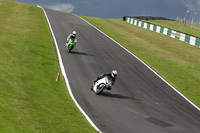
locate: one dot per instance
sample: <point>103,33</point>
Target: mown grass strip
<point>30,98</point>
<point>175,61</point>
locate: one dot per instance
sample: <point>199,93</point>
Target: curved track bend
<point>139,102</point>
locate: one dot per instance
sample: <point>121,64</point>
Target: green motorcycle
<point>70,44</point>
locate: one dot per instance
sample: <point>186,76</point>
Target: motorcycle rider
<point>111,75</point>
<point>72,36</point>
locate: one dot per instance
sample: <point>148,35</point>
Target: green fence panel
<point>137,23</point>
<point>130,20</point>
<point>169,32</point>
<point>154,27</point>
<point>197,43</point>
<point>161,30</point>
<point>142,25</point>
<point>148,26</point>
<point>133,21</point>
<point>187,38</point>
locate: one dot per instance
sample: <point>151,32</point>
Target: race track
<point>139,102</point>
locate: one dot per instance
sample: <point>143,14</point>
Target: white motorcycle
<point>102,84</point>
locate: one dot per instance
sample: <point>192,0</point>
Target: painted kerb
<point>192,40</point>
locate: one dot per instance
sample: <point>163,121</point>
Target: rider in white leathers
<point>112,75</point>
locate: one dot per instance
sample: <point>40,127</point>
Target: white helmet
<point>74,33</point>
<point>114,73</point>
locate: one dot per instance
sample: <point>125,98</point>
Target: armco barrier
<point>166,31</point>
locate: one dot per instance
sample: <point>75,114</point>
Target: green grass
<point>188,29</point>
<point>175,61</point>
<point>31,101</point>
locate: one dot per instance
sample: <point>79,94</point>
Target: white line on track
<point>65,75</point>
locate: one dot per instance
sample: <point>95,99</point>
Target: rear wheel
<point>70,48</point>
<point>100,88</point>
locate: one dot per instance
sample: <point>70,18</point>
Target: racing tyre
<point>100,88</point>
<point>70,48</point>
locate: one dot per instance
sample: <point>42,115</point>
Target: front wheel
<point>100,88</point>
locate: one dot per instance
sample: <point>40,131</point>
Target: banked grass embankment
<point>30,99</point>
<point>175,61</point>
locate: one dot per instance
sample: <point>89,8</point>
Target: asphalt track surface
<point>139,102</point>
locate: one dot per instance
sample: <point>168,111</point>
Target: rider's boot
<point>109,88</point>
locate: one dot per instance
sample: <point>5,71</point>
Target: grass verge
<point>30,99</point>
<point>175,61</point>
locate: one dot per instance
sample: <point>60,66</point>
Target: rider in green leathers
<point>72,36</point>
